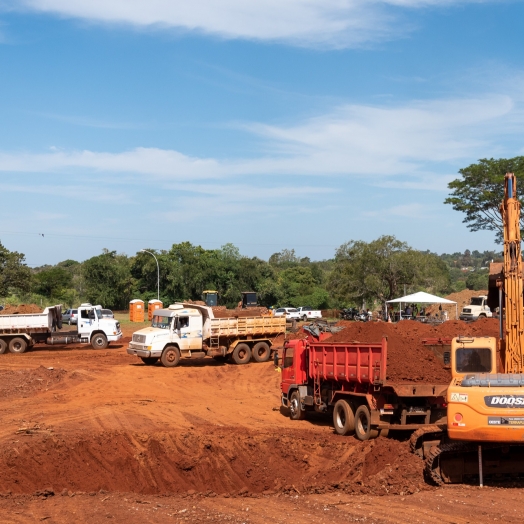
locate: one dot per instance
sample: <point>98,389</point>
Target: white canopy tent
<point>423,298</point>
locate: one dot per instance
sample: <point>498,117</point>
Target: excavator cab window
<point>473,360</point>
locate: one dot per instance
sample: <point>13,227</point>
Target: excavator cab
<point>210,297</point>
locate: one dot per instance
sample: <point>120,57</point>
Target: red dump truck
<point>349,380</point>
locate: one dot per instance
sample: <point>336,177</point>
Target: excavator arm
<point>511,346</point>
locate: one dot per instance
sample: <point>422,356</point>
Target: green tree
<point>477,280</point>
<point>15,276</point>
<point>108,280</point>
<point>53,282</point>
<point>480,191</point>
<point>367,272</point>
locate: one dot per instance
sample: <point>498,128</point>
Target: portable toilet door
<point>136,310</point>
<point>152,306</point>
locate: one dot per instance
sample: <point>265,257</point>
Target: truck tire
<point>17,345</point>
<point>170,357</point>
<point>343,418</point>
<point>3,346</point>
<point>295,410</point>
<point>149,361</point>
<point>241,354</point>
<point>99,341</point>
<point>261,352</point>
<point>482,315</point>
<point>363,429</point>
<point>304,318</point>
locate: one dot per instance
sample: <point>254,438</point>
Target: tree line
<point>360,274</point>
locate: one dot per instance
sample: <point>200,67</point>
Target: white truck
<point>308,313</point>
<point>192,331</point>
<point>478,308</point>
<point>21,331</point>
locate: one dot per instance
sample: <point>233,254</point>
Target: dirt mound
<point>222,312</point>
<point>220,460</point>
<point>28,382</point>
<point>462,299</point>
<point>21,309</point>
<point>408,359</point>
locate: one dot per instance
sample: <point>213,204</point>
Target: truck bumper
<point>140,351</point>
<point>114,338</point>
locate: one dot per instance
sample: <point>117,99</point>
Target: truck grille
<point>466,310</point>
<point>139,338</point>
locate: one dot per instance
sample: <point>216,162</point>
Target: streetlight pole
<point>157,272</point>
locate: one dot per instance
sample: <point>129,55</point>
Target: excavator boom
<point>511,347</point>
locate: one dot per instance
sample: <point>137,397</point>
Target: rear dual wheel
<point>343,418</point>
<point>17,345</point>
<point>261,352</point>
<point>3,346</point>
<point>241,354</point>
<point>363,430</point>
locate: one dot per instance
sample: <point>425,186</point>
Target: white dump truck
<point>192,331</point>
<point>478,308</point>
<point>21,331</point>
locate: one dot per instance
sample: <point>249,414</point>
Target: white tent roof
<point>422,298</point>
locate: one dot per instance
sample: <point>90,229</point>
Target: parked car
<point>70,316</point>
<point>308,313</point>
<point>290,313</point>
<point>107,313</point>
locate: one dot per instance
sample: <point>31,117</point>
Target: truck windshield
<point>98,313</point>
<point>476,301</point>
<point>161,322</point>
<point>473,360</point>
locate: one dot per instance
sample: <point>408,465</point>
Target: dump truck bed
<point>31,322</point>
<point>244,326</point>
<point>361,363</point>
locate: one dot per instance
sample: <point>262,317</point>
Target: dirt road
<point>114,439</point>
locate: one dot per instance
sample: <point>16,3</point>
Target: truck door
<point>86,319</point>
<point>189,330</point>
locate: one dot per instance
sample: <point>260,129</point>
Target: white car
<point>290,313</point>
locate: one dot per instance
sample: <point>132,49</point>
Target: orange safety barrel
<point>136,310</point>
<point>152,306</point>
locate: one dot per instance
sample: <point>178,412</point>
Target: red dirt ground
<point>206,441</point>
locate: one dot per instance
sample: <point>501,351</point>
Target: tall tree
<point>480,191</point>
<point>378,270</point>
<point>15,276</point>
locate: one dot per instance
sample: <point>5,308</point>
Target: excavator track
<point>416,442</point>
<point>432,463</point>
<point>454,462</point>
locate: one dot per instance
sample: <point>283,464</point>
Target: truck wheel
<point>482,315</point>
<point>295,410</point>
<point>241,354</point>
<point>3,346</point>
<point>261,352</point>
<point>170,357</point>
<point>343,418</point>
<point>99,341</point>
<point>363,429</point>
<point>149,361</point>
<point>17,345</point>
<point>304,318</point>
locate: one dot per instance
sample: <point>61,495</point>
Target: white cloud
<point>333,23</point>
<point>354,140</point>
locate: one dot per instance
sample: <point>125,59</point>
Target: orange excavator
<point>485,413</point>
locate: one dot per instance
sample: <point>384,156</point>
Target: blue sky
<point>300,124</point>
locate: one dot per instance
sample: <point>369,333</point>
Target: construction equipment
<point>186,330</point>
<point>249,299</point>
<point>210,297</point>
<point>349,381</point>
<point>22,331</point>
<point>485,414</point>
